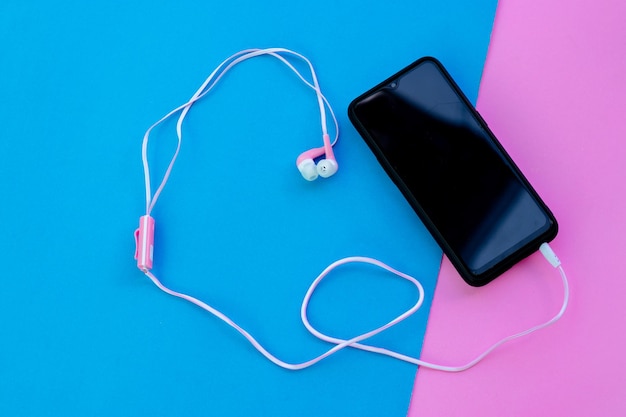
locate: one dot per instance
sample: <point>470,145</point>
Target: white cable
<point>206,87</point>
<point>338,346</point>
<point>354,342</point>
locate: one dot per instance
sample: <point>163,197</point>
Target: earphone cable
<point>338,346</point>
<point>147,226</point>
<point>354,342</point>
<point>205,88</point>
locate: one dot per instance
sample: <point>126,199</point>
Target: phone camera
<point>393,85</point>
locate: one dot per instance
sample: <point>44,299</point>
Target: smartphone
<point>452,170</point>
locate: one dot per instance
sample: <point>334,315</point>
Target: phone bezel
<point>512,258</point>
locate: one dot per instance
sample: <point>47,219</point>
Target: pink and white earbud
<point>306,165</point>
<point>324,168</point>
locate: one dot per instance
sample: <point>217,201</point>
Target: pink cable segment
<point>144,243</point>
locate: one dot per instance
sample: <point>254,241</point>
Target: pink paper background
<point>554,92</point>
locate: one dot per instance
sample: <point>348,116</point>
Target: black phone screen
<point>452,170</point>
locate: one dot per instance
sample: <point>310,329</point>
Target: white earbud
<point>308,169</point>
<point>327,167</point>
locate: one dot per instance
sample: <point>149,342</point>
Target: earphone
<point>310,170</point>
<point>324,168</point>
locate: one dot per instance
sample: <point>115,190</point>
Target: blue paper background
<point>83,331</point>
